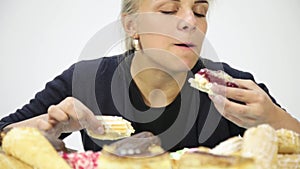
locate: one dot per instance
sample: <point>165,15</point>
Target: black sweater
<point>106,87</point>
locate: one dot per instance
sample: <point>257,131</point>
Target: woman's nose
<point>187,21</point>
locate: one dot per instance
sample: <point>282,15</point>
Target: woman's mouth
<point>185,45</point>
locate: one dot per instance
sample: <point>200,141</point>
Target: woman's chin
<point>183,66</point>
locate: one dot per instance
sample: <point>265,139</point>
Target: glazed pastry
<point>288,161</point>
<point>205,78</point>
<point>231,146</point>
<point>141,151</point>
<point>261,143</point>
<point>9,162</point>
<point>115,127</point>
<point>288,141</point>
<point>30,146</point>
<point>204,160</point>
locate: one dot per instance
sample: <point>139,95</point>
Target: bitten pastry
<point>261,143</point>
<point>30,146</point>
<point>9,162</point>
<point>141,151</point>
<point>288,141</point>
<point>204,79</point>
<point>115,127</point>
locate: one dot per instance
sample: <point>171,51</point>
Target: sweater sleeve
<point>53,93</point>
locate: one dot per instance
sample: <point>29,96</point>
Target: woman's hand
<point>68,116</point>
<point>257,109</point>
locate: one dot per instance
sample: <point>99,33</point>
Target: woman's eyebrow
<point>196,1</point>
<point>201,1</point>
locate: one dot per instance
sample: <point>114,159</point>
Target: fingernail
<point>211,96</point>
<point>100,130</point>
<point>215,98</point>
<point>214,87</point>
<point>218,99</point>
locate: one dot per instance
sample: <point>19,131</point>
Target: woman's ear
<point>129,24</point>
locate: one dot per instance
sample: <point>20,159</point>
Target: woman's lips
<point>185,45</point>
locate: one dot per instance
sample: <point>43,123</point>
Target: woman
<point>148,85</point>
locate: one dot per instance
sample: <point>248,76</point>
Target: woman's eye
<point>168,12</point>
<point>200,10</point>
<point>199,15</point>
<point>169,8</point>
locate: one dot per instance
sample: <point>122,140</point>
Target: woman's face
<point>172,31</point>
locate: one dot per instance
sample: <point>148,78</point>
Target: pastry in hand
<point>205,78</point>
<point>30,146</point>
<point>140,151</point>
<point>115,127</point>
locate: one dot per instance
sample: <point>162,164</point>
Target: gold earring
<point>136,42</point>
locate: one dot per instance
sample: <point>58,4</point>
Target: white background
<point>41,38</point>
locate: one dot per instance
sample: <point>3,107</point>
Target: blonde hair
<point>129,7</point>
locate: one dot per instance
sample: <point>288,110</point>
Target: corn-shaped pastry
<point>9,162</point>
<point>115,127</point>
<point>30,146</point>
<point>231,146</point>
<point>261,143</point>
<point>288,141</point>
<point>288,161</point>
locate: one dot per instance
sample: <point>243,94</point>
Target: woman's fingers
<point>246,106</point>
<point>238,113</point>
<point>57,114</point>
<point>225,107</point>
<point>94,125</point>
<point>43,125</point>
<point>246,84</point>
<point>238,94</point>
<point>87,118</point>
<point>72,115</point>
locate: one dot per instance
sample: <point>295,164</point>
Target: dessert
<point>115,127</point>
<point>288,141</point>
<point>9,162</point>
<point>231,146</point>
<point>261,144</point>
<point>205,78</point>
<point>140,151</point>
<point>204,160</point>
<point>288,161</point>
<point>82,160</point>
<point>31,147</point>
<point>265,147</point>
